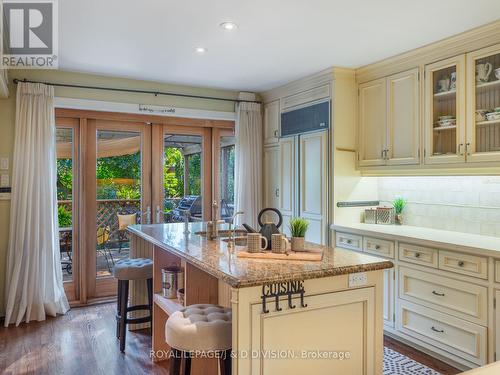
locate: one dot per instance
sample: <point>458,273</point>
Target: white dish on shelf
<point>492,116</point>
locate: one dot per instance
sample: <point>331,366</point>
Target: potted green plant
<point>399,205</point>
<point>298,228</point>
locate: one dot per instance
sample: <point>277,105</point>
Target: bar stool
<point>202,327</point>
<point>126,270</point>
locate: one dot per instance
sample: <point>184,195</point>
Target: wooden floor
<point>83,342</point>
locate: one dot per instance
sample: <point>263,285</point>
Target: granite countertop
<point>405,232</point>
<point>213,258</point>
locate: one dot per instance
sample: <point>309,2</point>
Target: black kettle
<point>267,229</point>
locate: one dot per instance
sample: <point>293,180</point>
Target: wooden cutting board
<point>310,256</point>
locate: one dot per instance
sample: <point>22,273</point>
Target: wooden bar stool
<point>126,270</point>
<point>201,328</point>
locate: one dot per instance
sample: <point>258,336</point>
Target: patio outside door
<point>117,192</point>
<point>182,173</point>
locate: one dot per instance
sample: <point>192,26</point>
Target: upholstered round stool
<point>203,327</point>
<point>126,270</point>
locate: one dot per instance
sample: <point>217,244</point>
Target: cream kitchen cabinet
<point>438,297</point>
<point>271,164</point>
<point>372,123</point>
<point>271,122</point>
<point>483,96</point>
<point>403,120</point>
<point>389,120</point>
<point>313,185</point>
<point>287,181</point>
<point>445,111</point>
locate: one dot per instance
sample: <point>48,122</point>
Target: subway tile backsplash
<point>468,204</point>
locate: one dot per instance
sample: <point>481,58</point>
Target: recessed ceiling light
<point>230,26</point>
<point>201,50</point>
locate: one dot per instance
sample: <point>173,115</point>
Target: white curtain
<point>34,286</point>
<point>248,162</point>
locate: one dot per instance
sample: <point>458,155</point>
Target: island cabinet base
<point>200,287</point>
<point>340,331</point>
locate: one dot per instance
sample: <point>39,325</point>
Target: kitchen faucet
<point>214,232</point>
<point>187,216</point>
<point>231,241</point>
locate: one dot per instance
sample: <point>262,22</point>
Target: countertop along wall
<point>466,204</point>
<point>8,108</point>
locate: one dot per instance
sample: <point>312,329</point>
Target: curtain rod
<point>155,93</point>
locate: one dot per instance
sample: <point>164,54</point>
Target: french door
<point>115,170</point>
<point>182,173</point>
<point>68,193</point>
<point>117,194</point>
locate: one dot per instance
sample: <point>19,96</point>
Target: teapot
<point>483,72</point>
<point>267,229</point>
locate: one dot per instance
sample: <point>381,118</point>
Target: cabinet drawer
<point>470,265</point>
<point>456,336</point>
<point>418,254</point>
<point>378,247</point>
<point>463,300</point>
<point>349,241</point>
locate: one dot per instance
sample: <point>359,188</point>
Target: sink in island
<point>289,317</point>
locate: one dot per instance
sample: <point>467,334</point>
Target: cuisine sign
<point>289,289</point>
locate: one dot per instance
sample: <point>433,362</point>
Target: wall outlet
<point>4,164</point>
<point>357,279</point>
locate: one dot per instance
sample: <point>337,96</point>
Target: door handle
<point>460,152</point>
<point>277,192</point>
<point>157,214</point>
<point>275,134</point>
<point>148,215</point>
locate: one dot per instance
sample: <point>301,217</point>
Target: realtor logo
<point>29,34</point>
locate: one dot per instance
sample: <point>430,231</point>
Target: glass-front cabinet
<point>483,111</point>
<point>445,111</point>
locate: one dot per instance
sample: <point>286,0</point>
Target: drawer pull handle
<point>437,293</point>
<point>417,255</point>
<point>377,247</point>
<point>461,263</point>
<point>437,330</point>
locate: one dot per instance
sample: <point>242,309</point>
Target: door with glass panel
<point>182,173</point>
<point>118,193</point>
<point>445,111</point>
<point>67,165</point>
<point>483,88</point>
<point>224,157</point>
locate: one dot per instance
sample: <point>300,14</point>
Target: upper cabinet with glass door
<point>483,88</point>
<point>445,111</point>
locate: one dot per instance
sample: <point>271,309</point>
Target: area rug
<point>398,364</point>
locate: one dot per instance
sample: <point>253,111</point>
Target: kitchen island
<point>289,317</point>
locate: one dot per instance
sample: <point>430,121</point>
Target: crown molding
<point>303,84</point>
<point>467,41</point>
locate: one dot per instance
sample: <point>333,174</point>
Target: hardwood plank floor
<point>83,342</point>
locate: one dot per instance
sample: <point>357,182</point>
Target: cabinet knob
<point>277,192</point>
<point>276,134</point>
<point>377,247</point>
<point>417,255</point>
<point>461,263</point>
<point>348,241</point>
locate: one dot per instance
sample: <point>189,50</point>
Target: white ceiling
<point>277,40</point>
